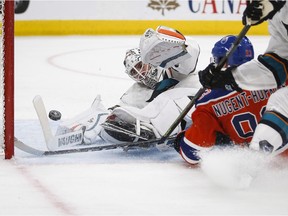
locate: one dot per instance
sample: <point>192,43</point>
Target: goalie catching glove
<point>164,47</point>
<point>258,11</point>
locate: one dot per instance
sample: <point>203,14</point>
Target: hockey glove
<point>258,11</point>
<point>212,78</point>
<point>164,47</point>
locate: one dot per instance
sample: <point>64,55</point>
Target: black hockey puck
<point>54,115</point>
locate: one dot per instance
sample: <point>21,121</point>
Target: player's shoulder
<point>214,95</point>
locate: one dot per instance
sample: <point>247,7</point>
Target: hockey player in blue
<point>270,70</point>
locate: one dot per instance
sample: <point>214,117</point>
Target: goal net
<point>7,79</point>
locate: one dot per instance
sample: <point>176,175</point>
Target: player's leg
<point>131,123</point>
<point>271,135</point>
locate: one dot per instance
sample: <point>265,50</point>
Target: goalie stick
<point>142,144</point>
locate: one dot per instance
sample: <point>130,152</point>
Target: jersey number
<point>245,123</point>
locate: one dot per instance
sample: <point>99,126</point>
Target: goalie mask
<point>140,72</point>
<point>242,54</point>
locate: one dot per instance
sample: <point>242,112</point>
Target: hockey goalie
<point>162,67</point>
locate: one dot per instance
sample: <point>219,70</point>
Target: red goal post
<point>7,78</point>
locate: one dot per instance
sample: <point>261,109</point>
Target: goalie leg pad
<point>154,118</point>
<point>89,120</point>
<point>117,129</point>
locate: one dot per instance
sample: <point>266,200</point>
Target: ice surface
<point>68,72</point>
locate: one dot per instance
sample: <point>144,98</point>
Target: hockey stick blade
<point>22,146</point>
<point>54,142</point>
<point>42,116</point>
<point>141,144</point>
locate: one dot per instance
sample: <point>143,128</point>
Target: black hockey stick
<point>222,62</point>
<point>140,144</point>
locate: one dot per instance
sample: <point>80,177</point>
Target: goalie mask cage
<point>7,78</point>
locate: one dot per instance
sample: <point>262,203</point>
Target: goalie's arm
<point>166,48</point>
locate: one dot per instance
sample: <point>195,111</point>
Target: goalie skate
<point>117,130</point>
